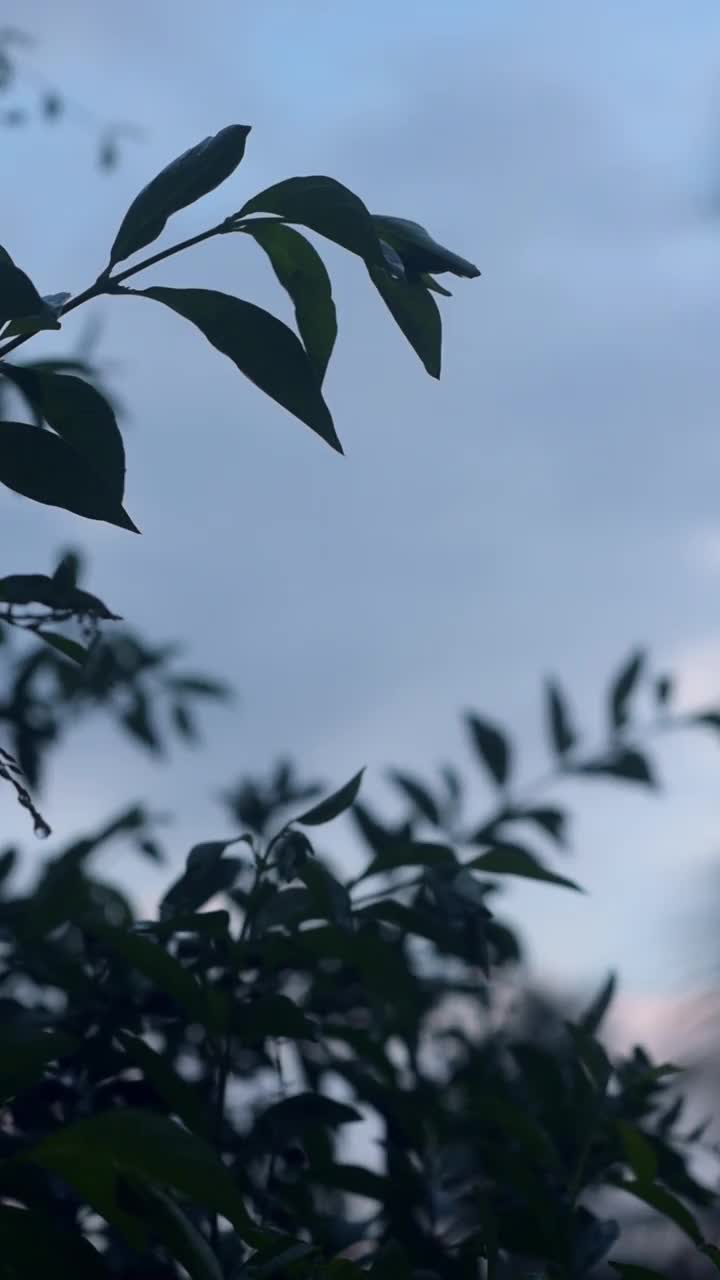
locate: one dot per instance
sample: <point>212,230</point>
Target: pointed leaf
<point>417,249</point>
<point>270,1017</point>
<point>592,1019</point>
<point>625,763</point>
<point>260,346</point>
<point>151,1147</point>
<point>415,312</point>
<point>301,271</point>
<point>18,296</point>
<point>192,175</point>
<point>622,688</point>
<point>409,853</point>
<point>49,318</point>
<point>511,860</point>
<point>639,1152</point>
<point>325,206</point>
<point>327,894</point>
<point>293,1116</point>
<point>81,415</point>
<point>491,746</point>
<point>181,1097</point>
<point>665,1203</point>
<point>164,971</point>
<point>176,1232</point>
<point>333,805</point>
<point>206,873</point>
<point>41,466</point>
<point>417,794</point>
<point>550,820</point>
<point>62,644</point>
<point>562,733</point>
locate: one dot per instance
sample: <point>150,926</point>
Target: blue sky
<point>551,503</point>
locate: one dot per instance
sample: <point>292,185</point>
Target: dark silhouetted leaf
<point>26,1052</point>
<point>293,1116</point>
<point>38,588</point>
<point>409,853</point>
<point>491,746</point>
<point>333,805</point>
<point>34,1242</point>
<point>42,466</point>
<point>325,206</point>
<point>415,312</point>
<point>639,1152</point>
<point>327,894</point>
<point>418,251</point>
<point>593,1017</point>
<point>206,873</point>
<point>81,416</point>
<point>512,860</point>
<point>270,1016</point>
<point>260,346</point>
<point>62,644</point>
<point>192,175</point>
<point>625,763</point>
<point>18,296</point>
<point>667,1204</point>
<point>622,688</point>
<point>165,972</point>
<point>301,271</point>
<point>417,794</point>
<point>550,820</point>
<point>182,1098</point>
<point>176,1232</point>
<point>156,1150</point>
<point>561,731</point>
<point>663,690</point>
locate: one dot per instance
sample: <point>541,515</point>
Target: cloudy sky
<point>552,502</point>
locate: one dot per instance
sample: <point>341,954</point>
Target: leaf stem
<point>106,283</point>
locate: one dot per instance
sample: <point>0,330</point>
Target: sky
<point>551,503</point>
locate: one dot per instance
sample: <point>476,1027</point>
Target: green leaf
<point>418,251</point>
<point>260,346</point>
<point>32,1244</point>
<point>78,413</point>
<point>193,174</point>
<point>18,296</point>
<point>562,734</point>
<point>270,1017</point>
<point>491,746</point>
<point>42,466</point>
<point>182,1098</point>
<point>622,688</point>
<point>62,644</point>
<point>639,1152</point>
<point>625,763</point>
<point>325,206</point>
<point>512,860</point>
<point>26,1053</point>
<point>164,971</point>
<point>176,1232</point>
<point>665,1203</point>
<point>415,312</point>
<point>95,1150</point>
<point>333,805</point>
<point>301,271</point>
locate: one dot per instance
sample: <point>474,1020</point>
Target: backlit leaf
<point>301,271</point>
<point>511,860</point>
<point>325,206</point>
<point>333,805</point>
<point>415,312</point>
<point>491,746</point>
<point>39,465</point>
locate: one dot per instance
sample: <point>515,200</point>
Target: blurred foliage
<point>289,1071</point>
